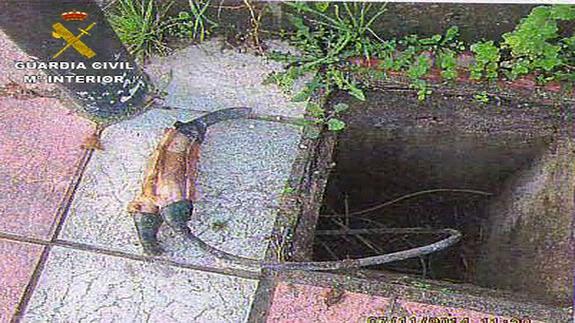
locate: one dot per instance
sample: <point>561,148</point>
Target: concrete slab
<point>244,165</point>
<point>306,303</point>
<point>80,286</point>
<point>408,309</point>
<point>16,267</point>
<point>208,78</point>
<point>40,144</point>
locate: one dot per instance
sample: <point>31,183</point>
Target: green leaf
<point>315,110</point>
<point>340,107</point>
<point>356,93</point>
<point>302,96</point>
<point>334,124</point>
<point>430,41</point>
<point>450,35</point>
<point>563,12</point>
<point>322,6</point>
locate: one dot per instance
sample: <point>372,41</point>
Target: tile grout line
<point>60,218</point>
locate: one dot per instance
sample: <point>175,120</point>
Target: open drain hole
<point>428,168</point>
<point>428,211</point>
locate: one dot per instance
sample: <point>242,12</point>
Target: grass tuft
<point>140,25</point>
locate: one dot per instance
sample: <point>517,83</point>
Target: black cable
<point>454,237</point>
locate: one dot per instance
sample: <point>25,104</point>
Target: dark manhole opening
<point>516,238</point>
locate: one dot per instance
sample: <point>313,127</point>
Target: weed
<point>255,20</point>
<point>447,62</point>
<point>193,23</point>
<point>482,97</point>
<point>535,42</point>
<point>486,60</point>
<point>320,117</point>
<point>327,35</point>
<point>416,71</point>
<point>140,25</point>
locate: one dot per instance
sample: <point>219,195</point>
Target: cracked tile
<point>18,262</point>
<point>40,147</point>
<point>205,77</point>
<point>243,168</point>
<point>81,286</point>
<point>306,303</point>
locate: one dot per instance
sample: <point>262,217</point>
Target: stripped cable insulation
<point>169,189</point>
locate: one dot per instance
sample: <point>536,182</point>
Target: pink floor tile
<point>305,303</point>
<point>420,310</point>
<point>16,267</point>
<point>40,146</point>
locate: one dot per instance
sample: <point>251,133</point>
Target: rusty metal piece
<point>170,174</point>
<point>168,188</point>
<point>169,178</point>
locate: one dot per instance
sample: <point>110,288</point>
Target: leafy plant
<point>326,35</point>
<point>333,123</point>
<point>416,71</point>
<point>486,60</point>
<point>447,62</point>
<point>320,117</point>
<point>415,58</point>
<point>140,25</point>
<point>482,97</point>
<point>535,43</point>
<point>331,34</point>
<point>436,42</point>
<point>195,23</point>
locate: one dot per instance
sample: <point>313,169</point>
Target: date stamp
<point>446,319</point>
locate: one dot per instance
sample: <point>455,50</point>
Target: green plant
<point>447,62</point>
<point>482,97</point>
<point>436,42</point>
<point>329,36</point>
<point>318,117</point>
<point>415,57</point>
<point>486,63</point>
<point>536,44</point>
<point>326,35</point>
<point>416,71</point>
<point>288,190</point>
<point>140,25</point>
<point>193,23</point>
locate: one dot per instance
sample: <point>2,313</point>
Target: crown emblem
<point>74,15</point>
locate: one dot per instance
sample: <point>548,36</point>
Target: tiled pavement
<point>81,286</point>
<point>69,251</point>
<point>75,257</point>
